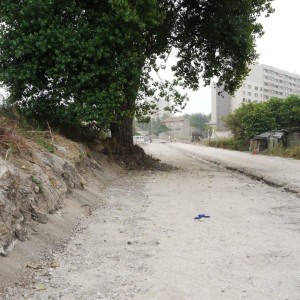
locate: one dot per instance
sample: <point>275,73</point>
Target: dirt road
<point>144,243</point>
<point>278,171</point>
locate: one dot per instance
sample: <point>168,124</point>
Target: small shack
<point>274,138</point>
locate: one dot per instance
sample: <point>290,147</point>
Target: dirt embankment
<point>43,191</point>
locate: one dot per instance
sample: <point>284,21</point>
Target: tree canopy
<point>199,120</point>
<point>255,118</point>
<point>91,59</point>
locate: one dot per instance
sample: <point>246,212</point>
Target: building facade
<point>179,126</point>
<point>262,83</point>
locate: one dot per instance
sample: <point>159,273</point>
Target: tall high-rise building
<point>262,83</point>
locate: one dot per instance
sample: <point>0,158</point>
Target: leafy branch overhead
<point>92,60</point>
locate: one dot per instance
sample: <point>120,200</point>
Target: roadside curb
<point>269,180</point>
<point>256,175</point>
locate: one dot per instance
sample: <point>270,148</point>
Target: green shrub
<point>255,118</point>
<point>46,145</point>
<point>38,183</point>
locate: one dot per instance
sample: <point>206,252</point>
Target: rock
<point>21,233</point>
<point>4,172</point>
<point>3,229</point>
<point>8,247</point>
<point>60,148</point>
<point>54,264</point>
<point>95,165</point>
<point>2,251</point>
<point>36,189</point>
<point>2,198</point>
<point>34,266</point>
<point>39,216</point>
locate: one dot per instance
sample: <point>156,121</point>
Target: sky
<point>278,47</point>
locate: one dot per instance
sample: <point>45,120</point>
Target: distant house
<point>179,126</point>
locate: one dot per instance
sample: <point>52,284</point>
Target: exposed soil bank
<point>42,197</point>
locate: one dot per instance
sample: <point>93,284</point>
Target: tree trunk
<point>122,131</point>
<point>122,135</point>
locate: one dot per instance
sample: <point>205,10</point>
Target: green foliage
<point>49,147</point>
<point>38,183</point>
<point>145,126</point>
<point>217,38</point>
<point>255,118</point>
<point>199,121</point>
<point>73,61</point>
<point>158,127</point>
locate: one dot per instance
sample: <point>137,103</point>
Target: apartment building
<point>262,83</point>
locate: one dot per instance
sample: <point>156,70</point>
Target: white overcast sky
<point>278,47</point>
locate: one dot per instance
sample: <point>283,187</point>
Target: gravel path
<point>143,242</point>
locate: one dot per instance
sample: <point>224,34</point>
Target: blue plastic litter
<point>199,217</point>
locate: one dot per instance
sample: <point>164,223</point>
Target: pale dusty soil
<point>143,241</point>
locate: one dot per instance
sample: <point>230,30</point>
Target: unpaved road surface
<point>143,242</point>
<point>278,171</point>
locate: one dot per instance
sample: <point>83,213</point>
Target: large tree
<point>91,59</point>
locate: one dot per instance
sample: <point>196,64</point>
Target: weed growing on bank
<point>237,145</point>
<point>293,152</point>
<point>229,143</point>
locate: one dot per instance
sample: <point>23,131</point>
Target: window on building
<point>261,89</point>
<point>249,93</point>
<point>244,92</point>
<point>256,95</point>
<point>256,88</point>
<point>249,86</point>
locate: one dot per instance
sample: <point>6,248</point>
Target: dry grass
<point>10,139</point>
<point>232,144</point>
<point>14,140</point>
<point>293,152</point>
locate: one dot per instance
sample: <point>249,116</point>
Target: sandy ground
<point>278,171</point>
<point>143,242</point>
